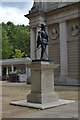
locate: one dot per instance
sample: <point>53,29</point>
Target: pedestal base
<point>42,98</point>
<point>42,82</point>
<point>24,103</point>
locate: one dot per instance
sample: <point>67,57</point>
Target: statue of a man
<point>42,39</point>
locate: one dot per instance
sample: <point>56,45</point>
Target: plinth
<point>42,82</point>
<point>42,87</point>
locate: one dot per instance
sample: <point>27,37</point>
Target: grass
<point>12,92</point>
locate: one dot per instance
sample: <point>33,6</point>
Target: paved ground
<point>65,111</point>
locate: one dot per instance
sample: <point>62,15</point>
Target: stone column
<point>63,49</point>
<point>0,72</point>
<point>6,70</point>
<point>38,52</point>
<point>29,75</point>
<point>26,69</point>
<point>47,45</point>
<point>26,73</point>
<point>12,67</point>
<point>43,4</point>
<point>32,43</point>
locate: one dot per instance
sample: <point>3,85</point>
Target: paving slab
<point>65,111</point>
<point>24,103</point>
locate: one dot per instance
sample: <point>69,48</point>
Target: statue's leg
<point>44,48</point>
<point>42,51</point>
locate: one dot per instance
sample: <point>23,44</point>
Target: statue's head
<point>42,26</point>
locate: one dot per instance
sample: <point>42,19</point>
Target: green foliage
<point>18,54</point>
<point>15,37</point>
<point>6,47</point>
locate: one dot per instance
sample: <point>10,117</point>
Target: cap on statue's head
<point>42,26</point>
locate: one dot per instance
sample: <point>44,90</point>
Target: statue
<point>42,41</point>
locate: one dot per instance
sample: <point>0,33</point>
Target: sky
<point>15,11</point>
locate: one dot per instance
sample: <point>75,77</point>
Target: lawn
<point>18,92</point>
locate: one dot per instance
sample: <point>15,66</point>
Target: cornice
<point>34,13</point>
<point>63,9</point>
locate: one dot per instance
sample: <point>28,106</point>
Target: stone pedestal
<point>42,94</point>
<point>42,82</point>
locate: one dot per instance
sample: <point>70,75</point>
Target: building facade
<point>62,25</point>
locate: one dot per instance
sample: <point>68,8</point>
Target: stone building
<point>62,24</point>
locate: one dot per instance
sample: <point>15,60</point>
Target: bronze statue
<point>42,41</point>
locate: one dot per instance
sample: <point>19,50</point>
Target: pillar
<point>0,72</point>
<point>47,45</point>
<point>7,71</point>
<point>29,75</point>
<point>32,43</point>
<point>26,69</point>
<point>12,68</point>
<point>26,73</point>
<point>38,52</point>
<point>63,49</point>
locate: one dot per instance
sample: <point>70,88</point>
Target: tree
<point>18,54</point>
<point>6,47</point>
<point>15,37</point>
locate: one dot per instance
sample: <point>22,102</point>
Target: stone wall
<point>72,48</point>
<point>54,45</point>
